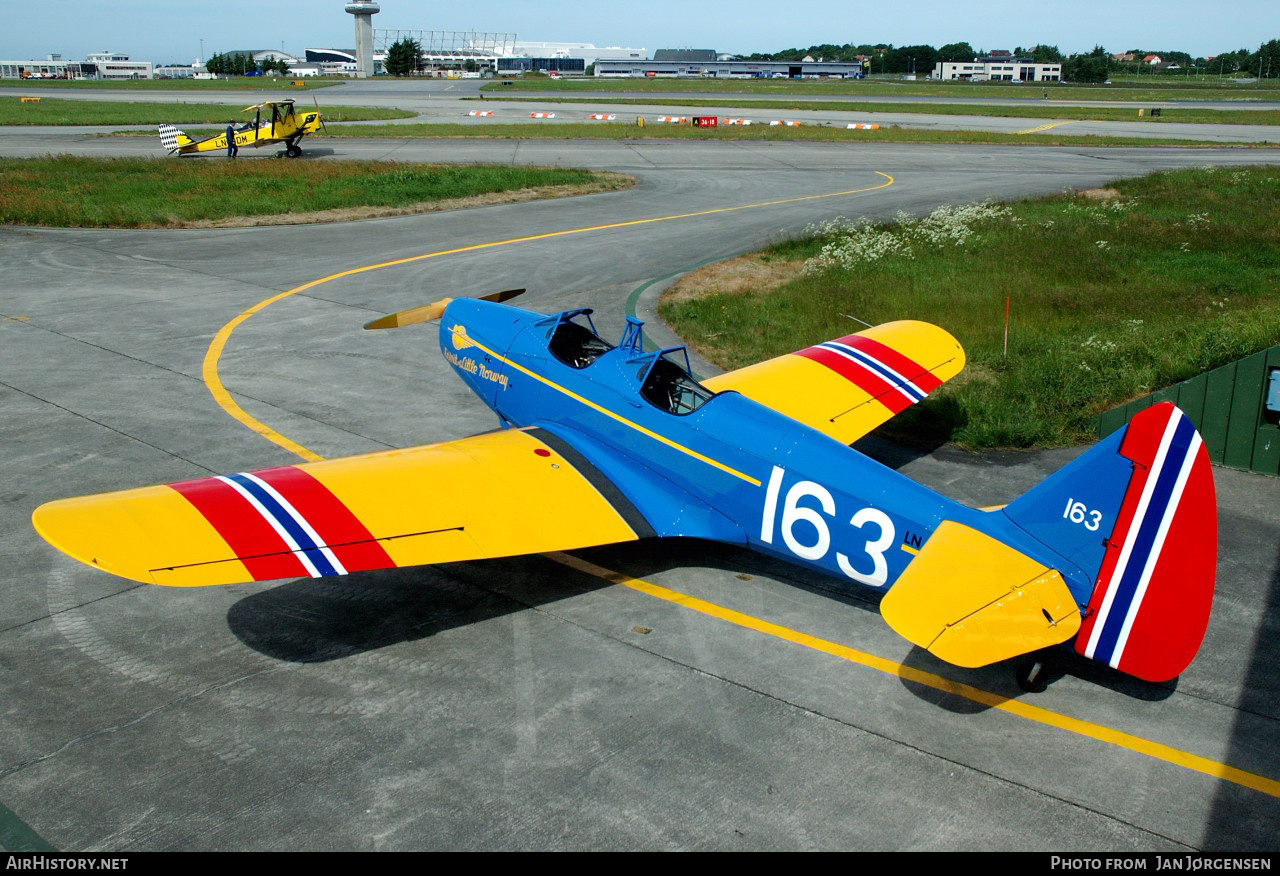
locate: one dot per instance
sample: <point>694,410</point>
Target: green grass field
<point>1173,115</point>
<point>143,192</point>
<point>1169,277</point>
<point>1135,89</point>
<point>60,111</point>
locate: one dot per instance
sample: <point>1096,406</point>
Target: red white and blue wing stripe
<point>885,374</point>
<point>846,387</point>
<point>288,523</point>
<point>283,523</point>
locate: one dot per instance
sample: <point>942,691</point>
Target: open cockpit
<point>573,343</point>
<point>668,385</point>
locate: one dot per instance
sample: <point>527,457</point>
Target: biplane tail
<point>1122,556</point>
<point>172,139</point>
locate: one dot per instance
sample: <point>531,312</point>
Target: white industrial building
<point>998,70</point>
<point>717,68</point>
<point>588,52</point>
<point>52,67</point>
<point>100,65</point>
<point>484,51</point>
<point>115,65</point>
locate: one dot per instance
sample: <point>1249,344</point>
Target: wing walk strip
<point>1137,744</point>
<point>609,491</point>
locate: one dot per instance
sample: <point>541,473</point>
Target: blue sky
<point>171,30</point>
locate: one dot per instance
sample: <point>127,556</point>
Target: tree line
<point>1093,66</point>
<point>240,64</point>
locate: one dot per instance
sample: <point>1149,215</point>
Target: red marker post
<point>1006,325</point>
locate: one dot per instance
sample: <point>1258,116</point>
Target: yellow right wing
<point>846,387</point>
<point>493,495</point>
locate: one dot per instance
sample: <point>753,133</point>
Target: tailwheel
<point>1032,675</point>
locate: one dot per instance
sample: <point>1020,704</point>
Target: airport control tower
<point>364,11</point>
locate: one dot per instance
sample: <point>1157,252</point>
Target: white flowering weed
<point>860,242</point>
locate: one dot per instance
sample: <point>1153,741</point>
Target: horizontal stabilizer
<point>971,600</point>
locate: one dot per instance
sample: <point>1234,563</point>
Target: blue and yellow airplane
<point>604,443</point>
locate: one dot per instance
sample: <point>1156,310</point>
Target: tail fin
<point>1134,522</point>
<point>172,139</point>
<point>1127,534</point>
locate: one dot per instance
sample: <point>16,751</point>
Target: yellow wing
<point>846,387</point>
<point>487,496</point>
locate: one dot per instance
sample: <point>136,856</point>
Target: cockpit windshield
<point>574,344</point>
<point>668,385</point>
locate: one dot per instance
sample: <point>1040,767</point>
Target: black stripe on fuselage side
<point>605,487</point>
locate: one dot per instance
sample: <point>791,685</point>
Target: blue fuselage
<point>730,470</point>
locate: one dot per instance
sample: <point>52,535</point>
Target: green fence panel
<point>1227,406</point>
<point>1219,388</point>
<point>1191,395</point>
<point>1245,405</point>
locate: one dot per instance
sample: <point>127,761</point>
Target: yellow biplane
<point>274,121</point>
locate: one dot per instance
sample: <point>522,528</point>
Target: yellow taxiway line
<point>1047,127</point>
<point>220,394</point>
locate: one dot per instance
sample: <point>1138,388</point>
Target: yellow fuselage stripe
<point>608,413</point>
<point>214,353</point>
<point>1088,729</point>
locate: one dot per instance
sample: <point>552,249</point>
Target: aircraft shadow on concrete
<point>316,621</point>
<point>310,621</point>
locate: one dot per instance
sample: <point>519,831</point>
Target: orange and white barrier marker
<point>602,117</point>
<point>737,121</point>
<point>858,126</point>
<point>786,124</point>
<point>674,120</point>
<point>542,115</point>
<point>480,113</point>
